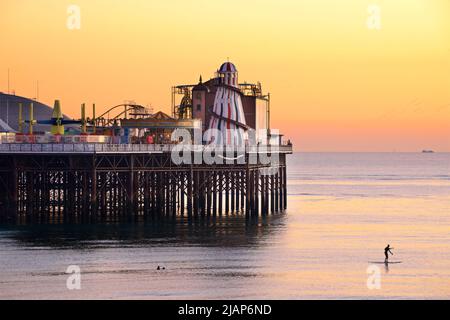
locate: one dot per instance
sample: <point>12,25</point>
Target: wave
<point>339,195</point>
<point>320,177</point>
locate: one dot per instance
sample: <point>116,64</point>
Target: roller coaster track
<point>105,119</point>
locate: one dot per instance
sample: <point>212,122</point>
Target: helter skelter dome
<point>228,74</point>
<point>227,67</point>
<point>227,125</point>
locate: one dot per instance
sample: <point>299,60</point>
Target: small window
<point>199,107</point>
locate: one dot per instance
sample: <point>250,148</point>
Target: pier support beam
<point>190,177</point>
<point>94,185</point>
<point>77,187</point>
<point>14,188</point>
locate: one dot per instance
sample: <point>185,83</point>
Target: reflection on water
<point>119,260</point>
<point>225,231</point>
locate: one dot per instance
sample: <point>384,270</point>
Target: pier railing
<point>132,148</point>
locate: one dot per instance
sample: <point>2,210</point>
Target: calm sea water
<point>343,210</point>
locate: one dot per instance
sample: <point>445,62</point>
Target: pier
<point>125,163</point>
<point>91,182</point>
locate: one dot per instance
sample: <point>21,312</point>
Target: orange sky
<point>336,85</point>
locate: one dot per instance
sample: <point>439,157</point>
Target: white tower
<point>227,119</point>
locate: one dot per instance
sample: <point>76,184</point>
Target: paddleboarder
<point>386,250</point>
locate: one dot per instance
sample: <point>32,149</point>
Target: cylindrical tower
<point>227,125</point>
<point>228,74</point>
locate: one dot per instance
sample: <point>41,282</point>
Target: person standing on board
<point>386,250</point>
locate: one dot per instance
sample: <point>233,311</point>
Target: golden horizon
<point>336,85</point>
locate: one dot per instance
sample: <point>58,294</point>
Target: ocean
<point>343,209</point>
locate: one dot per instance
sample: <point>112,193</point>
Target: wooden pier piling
<point>74,186</point>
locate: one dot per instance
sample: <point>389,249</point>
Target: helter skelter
<point>227,125</point>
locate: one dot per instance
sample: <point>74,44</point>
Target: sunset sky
<point>336,84</point>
